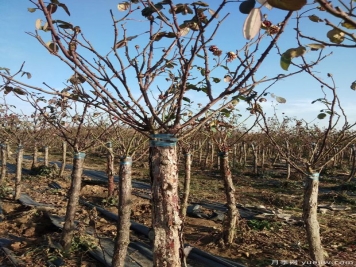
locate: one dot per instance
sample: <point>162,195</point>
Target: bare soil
<point>259,241</point>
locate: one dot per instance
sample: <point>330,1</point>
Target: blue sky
<point>94,19</point>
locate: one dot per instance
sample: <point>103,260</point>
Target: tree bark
<point>110,169</point>
<point>3,162</point>
<point>35,156</point>
<point>18,184</point>
<point>232,213</point>
<point>353,167</point>
<point>255,158</point>
<point>64,159</point>
<point>166,222</point>
<point>187,164</point>
<point>123,225</point>
<point>46,156</point>
<point>287,160</point>
<point>74,192</point>
<point>310,218</point>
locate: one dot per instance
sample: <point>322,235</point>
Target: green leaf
<point>227,78</point>
<point>65,8</point>
<point>252,24</point>
<point>52,47</point>
<point>295,52</point>
<point>285,62</point>
<point>123,6</point>
<point>8,89</point>
<point>213,13</point>
<point>348,25</point>
<point>281,100</point>
<point>200,3</point>
<point>52,8</point>
<point>216,80</point>
<point>31,9</point>
<point>27,74</point>
<point>6,69</point>
<point>315,18</point>
<point>316,46</point>
<point>186,99</point>
<point>38,24</point>
<point>353,86</point>
<point>336,36</point>
<point>321,116</point>
<point>19,91</point>
<point>65,25</point>
<point>55,2</point>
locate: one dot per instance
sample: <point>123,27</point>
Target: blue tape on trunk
<point>80,155</point>
<point>163,140</point>
<point>314,176</point>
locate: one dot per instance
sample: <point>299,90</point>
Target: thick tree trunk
<point>46,156</point>
<point>64,159</point>
<point>35,156</point>
<point>166,222</point>
<point>232,213</point>
<point>3,162</point>
<point>74,193</point>
<point>187,172</point>
<point>310,218</point>
<point>123,225</point>
<point>18,184</point>
<point>110,169</point>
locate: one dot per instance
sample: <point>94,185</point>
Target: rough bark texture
<point>187,164</point>
<point>287,161</point>
<point>123,224</point>
<point>255,159</point>
<point>110,169</point>
<point>353,167</point>
<point>166,222</point>
<point>74,191</point>
<point>232,212</point>
<point>46,156</point>
<point>35,156</point>
<point>310,218</point>
<point>3,162</point>
<point>18,184</point>
<point>64,158</point>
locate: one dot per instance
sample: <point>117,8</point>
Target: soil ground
<point>259,242</point>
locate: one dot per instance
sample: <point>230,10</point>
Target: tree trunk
<point>46,156</point>
<point>212,155</point>
<point>166,222</point>
<point>287,160</point>
<point>310,218</point>
<point>200,152</point>
<point>255,159</point>
<point>35,156</point>
<point>353,167</point>
<point>18,177</point>
<point>110,169</point>
<point>3,162</point>
<point>234,157</point>
<point>232,213</point>
<point>74,191</point>
<point>187,164</point>
<point>123,225</point>
<point>64,159</point>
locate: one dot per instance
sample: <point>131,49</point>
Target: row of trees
<point>151,92</point>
